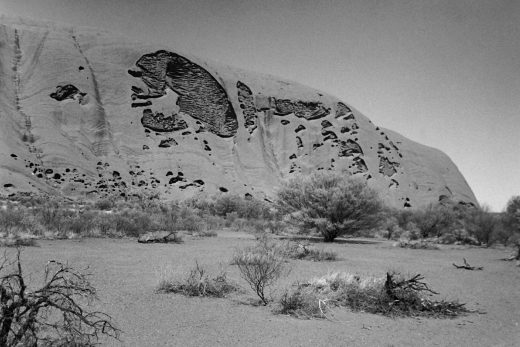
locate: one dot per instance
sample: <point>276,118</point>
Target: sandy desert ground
<point>126,274</point>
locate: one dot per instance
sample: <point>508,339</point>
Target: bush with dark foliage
<point>330,203</point>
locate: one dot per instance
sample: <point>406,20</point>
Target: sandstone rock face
<point>85,114</point>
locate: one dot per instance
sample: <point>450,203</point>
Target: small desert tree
<point>261,266</point>
<point>481,223</point>
<point>331,203</point>
<point>512,222</point>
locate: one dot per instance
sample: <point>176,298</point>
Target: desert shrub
<point>502,234</point>
<point>177,218</point>
<point>272,226</point>
<point>143,200</point>
<point>11,220</point>
<point>253,209</point>
<point>420,244</point>
<point>285,250</point>
<point>104,223</point>
<point>260,271</point>
<point>18,241</point>
<point>481,224</point>
<point>411,232</point>
<point>460,236</point>
<point>512,214</point>
<point>303,251</point>
<point>446,221</point>
<point>54,218</point>
<point>390,226</point>
<point>302,302</point>
<point>512,223</point>
<point>399,223</point>
<point>234,223</point>
<point>393,295</point>
<point>403,217</point>
<point>266,244</point>
<point>81,223</point>
<point>51,217</point>
<point>261,266</point>
<point>435,220</point>
<point>52,315</point>
<point>330,203</point>
<point>197,282</point>
<point>205,233</point>
<point>260,226</point>
<point>124,224</point>
<point>105,204</point>
<point>190,221</point>
<point>449,222</point>
<point>232,217</point>
<point>177,238</point>
<point>213,222</point>
<point>133,223</point>
<point>30,199</point>
<point>224,204</point>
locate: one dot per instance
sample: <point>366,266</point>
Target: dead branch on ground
<point>466,266</point>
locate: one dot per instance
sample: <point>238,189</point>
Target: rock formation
<point>86,114</point>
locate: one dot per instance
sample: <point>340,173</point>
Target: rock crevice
<point>200,95</point>
<point>159,122</point>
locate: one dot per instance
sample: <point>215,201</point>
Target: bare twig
<point>466,266</point>
<point>51,314</point>
<point>415,283</point>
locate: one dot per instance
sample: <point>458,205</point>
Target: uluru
<point>85,114</point>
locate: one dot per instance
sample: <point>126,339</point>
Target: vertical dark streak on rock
<point>36,56</point>
<point>103,133</point>
<point>265,142</point>
<point>28,135</point>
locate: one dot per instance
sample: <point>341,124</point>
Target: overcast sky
<point>445,73</point>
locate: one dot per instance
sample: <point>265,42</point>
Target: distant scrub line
<point>324,204</point>
<point>36,217</point>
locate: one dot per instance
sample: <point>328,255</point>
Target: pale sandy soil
<point>125,274</point>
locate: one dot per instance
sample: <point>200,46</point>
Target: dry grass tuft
<point>196,282</point>
<point>302,251</point>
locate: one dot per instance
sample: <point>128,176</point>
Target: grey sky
<point>445,73</point>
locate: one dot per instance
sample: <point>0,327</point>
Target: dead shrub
<point>53,314</point>
<point>392,295</point>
